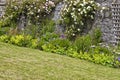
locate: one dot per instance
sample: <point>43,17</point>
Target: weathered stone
<point>57,17</point>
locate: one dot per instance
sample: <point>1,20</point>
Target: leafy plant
<point>47,26</point>
<point>4,38</point>
<point>83,43</point>
<point>96,36</point>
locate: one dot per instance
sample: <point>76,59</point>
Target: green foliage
<point>47,26</point>
<point>20,40</point>
<point>103,59</point>
<point>33,30</point>
<point>116,59</point>
<point>64,43</point>
<point>4,30</point>
<point>83,43</point>
<point>96,36</point>
<point>52,42</point>
<point>33,43</point>
<point>4,38</point>
<point>77,14</point>
<point>46,38</point>
<point>101,50</point>
<point>97,58</point>
<point>49,36</point>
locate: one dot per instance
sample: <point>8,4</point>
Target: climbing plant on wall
<point>33,10</point>
<point>76,14</point>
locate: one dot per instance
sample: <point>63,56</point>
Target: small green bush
<point>56,45</point>
<point>83,43</point>
<point>4,38</point>
<point>47,26</point>
<point>96,36</point>
<point>47,37</point>
<point>65,43</point>
<point>20,40</point>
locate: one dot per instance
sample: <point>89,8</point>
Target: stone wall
<point>104,20</point>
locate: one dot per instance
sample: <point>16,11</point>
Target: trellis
<point>116,22</point>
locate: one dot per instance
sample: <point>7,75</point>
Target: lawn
<point>17,63</point>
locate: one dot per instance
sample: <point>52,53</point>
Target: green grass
<point>18,63</point>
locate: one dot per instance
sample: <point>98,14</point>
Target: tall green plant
<point>96,36</point>
<point>83,43</point>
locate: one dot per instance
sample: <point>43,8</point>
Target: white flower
<point>51,3</point>
<point>81,23</point>
<point>98,4</point>
<point>78,29</point>
<point>73,9</point>
<point>84,11</point>
<point>75,22</point>
<point>92,17</point>
<point>15,7</point>
<point>73,34</point>
<point>103,8</point>
<point>82,4</point>
<point>91,2</point>
<point>81,12</point>
<point>35,7</point>
<point>79,9</point>
<point>31,6</point>
<point>88,7</point>
<point>31,12</point>
<point>38,16</point>
<point>38,10</point>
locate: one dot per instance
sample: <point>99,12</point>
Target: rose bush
<point>34,11</point>
<point>76,15</point>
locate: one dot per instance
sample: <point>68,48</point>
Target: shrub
<point>83,43</point>
<point>4,38</point>
<point>34,11</point>
<point>47,37</point>
<point>17,40</point>
<point>47,26</point>
<point>33,30</point>
<point>96,36</point>
<point>77,14</point>
<point>4,30</point>
<point>57,45</point>
<point>33,43</point>
<point>103,59</point>
<point>64,43</point>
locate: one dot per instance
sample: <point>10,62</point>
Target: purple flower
<point>118,58</point>
<point>62,36</point>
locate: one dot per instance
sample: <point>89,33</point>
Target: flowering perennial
<point>32,10</point>
<point>76,13</point>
